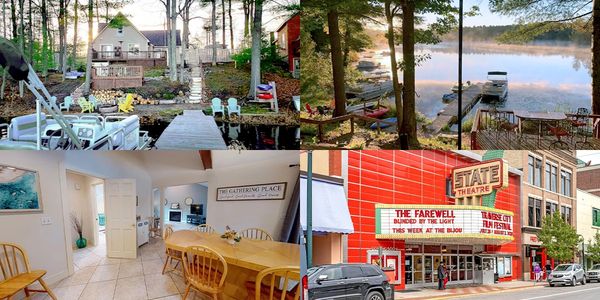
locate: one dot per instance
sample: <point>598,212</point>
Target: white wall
<point>177,194</point>
<point>81,198</point>
<point>45,244</point>
<point>265,214</point>
<point>585,202</point>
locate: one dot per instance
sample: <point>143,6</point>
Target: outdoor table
<point>244,259</point>
<point>540,117</point>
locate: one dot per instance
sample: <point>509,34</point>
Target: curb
<point>442,297</point>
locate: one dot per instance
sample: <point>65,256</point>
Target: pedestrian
<point>548,268</point>
<point>440,273</point>
<point>445,275</point>
<point>537,270</point>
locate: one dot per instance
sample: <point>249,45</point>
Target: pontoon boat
<point>496,87</point>
<point>51,130</point>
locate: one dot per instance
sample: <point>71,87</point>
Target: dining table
<point>540,117</point>
<point>244,259</point>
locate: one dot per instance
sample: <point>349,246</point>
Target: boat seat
<point>24,128</point>
<point>14,145</point>
<point>130,137</point>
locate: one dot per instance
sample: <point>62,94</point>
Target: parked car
<point>593,274</point>
<point>567,274</point>
<point>354,281</point>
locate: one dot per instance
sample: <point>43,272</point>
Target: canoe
<point>383,125</point>
<point>377,112</point>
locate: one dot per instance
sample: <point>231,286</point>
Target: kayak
<point>383,125</point>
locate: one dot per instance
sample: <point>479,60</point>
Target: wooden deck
<point>192,130</point>
<point>448,116</point>
<point>490,139</point>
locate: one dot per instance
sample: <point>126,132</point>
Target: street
<point>580,292</point>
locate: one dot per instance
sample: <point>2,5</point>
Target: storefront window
<point>565,182</point>
<point>504,266</point>
<point>551,180</point>
<point>433,249</point>
<point>413,248</point>
<point>566,213</point>
<point>535,171</point>
<point>595,216</point>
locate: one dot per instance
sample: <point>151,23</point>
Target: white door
<point>120,208</point>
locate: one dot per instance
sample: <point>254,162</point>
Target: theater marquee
<point>424,222</point>
<point>479,179</point>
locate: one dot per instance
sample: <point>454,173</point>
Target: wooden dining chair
<point>256,234</point>
<point>17,275</point>
<point>278,283</point>
<point>171,254</point>
<point>205,270</point>
<point>205,228</point>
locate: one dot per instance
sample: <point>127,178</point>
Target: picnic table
<point>540,117</point>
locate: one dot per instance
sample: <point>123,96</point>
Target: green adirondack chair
<point>85,105</point>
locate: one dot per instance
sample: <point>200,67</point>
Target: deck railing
<point>115,76</point>
<point>485,119</point>
<point>204,55</point>
<point>129,55</point>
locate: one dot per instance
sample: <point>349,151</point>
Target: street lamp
<point>583,262</point>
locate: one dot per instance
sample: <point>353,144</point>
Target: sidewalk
<point>455,291</point>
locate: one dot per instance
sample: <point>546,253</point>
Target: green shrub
<point>270,61</point>
<point>168,96</point>
<point>154,72</point>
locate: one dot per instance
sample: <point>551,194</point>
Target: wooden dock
<point>371,91</point>
<point>448,115</point>
<point>192,130</point>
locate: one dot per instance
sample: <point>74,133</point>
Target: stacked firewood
<point>107,96</point>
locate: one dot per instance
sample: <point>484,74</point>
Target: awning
<point>330,207</point>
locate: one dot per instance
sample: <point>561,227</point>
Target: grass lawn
<point>246,109</point>
<point>225,81</point>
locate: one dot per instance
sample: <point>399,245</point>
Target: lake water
<point>540,78</point>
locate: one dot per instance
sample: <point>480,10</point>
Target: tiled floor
<point>99,277</point>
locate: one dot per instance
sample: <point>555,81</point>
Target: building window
<point>565,182</point>
<point>535,171</point>
<point>120,31</point>
<point>551,180</point>
<point>535,212</point>
<point>565,212</point>
<point>283,40</point>
<point>595,216</point>
<point>551,207</point>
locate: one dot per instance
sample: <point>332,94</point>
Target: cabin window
<point>282,40</point>
<point>133,48</point>
<point>120,31</point>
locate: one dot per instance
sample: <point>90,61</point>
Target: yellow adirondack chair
<point>127,104</point>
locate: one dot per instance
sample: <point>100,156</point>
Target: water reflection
<point>541,78</point>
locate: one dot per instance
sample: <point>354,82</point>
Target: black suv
<point>354,281</point>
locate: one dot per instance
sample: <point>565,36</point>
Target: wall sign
<point>442,221</point>
<point>479,179</point>
<point>268,191</point>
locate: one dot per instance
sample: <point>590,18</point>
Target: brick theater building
<point>411,210</point>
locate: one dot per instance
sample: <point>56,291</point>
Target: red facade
<point>292,27</point>
<point>413,177</point>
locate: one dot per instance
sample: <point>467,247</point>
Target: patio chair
<point>93,101</point>
<point>205,271</point>
<point>205,228</point>
<point>217,106</point>
<point>309,109</point>
<point>233,107</point>
<point>17,275</point>
<point>126,105</point>
<point>560,130</point>
<point>66,104</point>
<point>85,105</point>
<point>579,122</point>
<point>274,284</point>
<point>256,234</point>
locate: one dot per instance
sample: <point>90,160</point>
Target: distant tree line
<point>499,33</point>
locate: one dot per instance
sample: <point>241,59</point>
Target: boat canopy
<point>498,73</point>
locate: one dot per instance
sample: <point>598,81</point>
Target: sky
<point>589,155</point>
<point>485,17</point>
<point>150,15</point>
